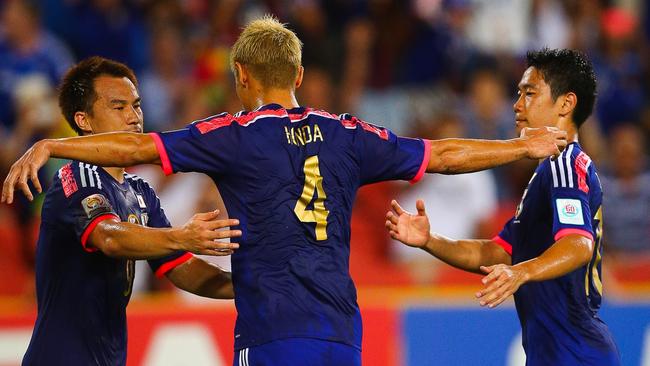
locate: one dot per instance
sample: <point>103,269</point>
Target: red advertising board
<point>173,333</point>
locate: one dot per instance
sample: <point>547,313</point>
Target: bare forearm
<point>120,149</point>
<point>126,240</point>
<point>454,156</point>
<point>566,255</point>
<point>202,278</point>
<point>466,254</point>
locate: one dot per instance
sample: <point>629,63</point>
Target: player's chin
<point>519,126</point>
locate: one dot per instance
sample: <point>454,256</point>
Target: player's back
<point>559,317</point>
<point>290,177</point>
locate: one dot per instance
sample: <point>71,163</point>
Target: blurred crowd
<point>426,68</point>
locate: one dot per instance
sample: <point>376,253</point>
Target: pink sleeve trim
<point>503,244</point>
<point>564,232</point>
<point>164,158</point>
<point>173,264</point>
<point>91,227</point>
<point>425,162</point>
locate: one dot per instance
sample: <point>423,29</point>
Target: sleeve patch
<point>569,211</point>
<point>96,204</point>
<point>68,182</point>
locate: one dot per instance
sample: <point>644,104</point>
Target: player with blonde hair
<point>290,175</point>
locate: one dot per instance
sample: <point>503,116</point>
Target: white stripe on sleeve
<point>99,181</point>
<point>561,170</point>
<point>82,173</point>
<point>91,180</point>
<point>552,162</point>
<point>569,171</point>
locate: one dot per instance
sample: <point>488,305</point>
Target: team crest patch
<point>569,211</point>
<point>133,219</point>
<point>95,204</point>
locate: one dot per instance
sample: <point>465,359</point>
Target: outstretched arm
<point>454,156</point>
<point>468,255</point>
<point>566,255</point>
<point>121,149</point>
<point>198,235</point>
<point>202,278</point>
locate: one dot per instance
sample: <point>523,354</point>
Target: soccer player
<point>549,254</point>
<point>96,222</point>
<point>290,174</point>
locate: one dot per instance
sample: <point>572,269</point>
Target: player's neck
<point>284,97</point>
<point>116,173</point>
<point>567,125</point>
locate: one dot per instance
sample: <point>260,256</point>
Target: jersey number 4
<point>313,184</point>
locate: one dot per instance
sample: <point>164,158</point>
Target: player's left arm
<point>194,274</point>
<point>567,179</point>
<point>118,149</point>
<point>565,255</point>
<point>454,156</point>
<point>202,278</point>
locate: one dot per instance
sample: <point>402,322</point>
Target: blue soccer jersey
<point>82,294</point>
<point>290,177</point>
<point>559,320</point>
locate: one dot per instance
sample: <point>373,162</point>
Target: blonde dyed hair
<point>270,51</point>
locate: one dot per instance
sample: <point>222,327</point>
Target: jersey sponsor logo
<point>68,182</point>
<point>581,165</point>
<point>95,204</point>
<point>569,211</point>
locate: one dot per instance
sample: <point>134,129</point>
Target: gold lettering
<point>317,134</point>
<point>286,130</point>
<point>293,137</point>
<point>301,136</point>
<point>301,140</point>
<point>306,132</point>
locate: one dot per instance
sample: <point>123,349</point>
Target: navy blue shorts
<point>299,352</point>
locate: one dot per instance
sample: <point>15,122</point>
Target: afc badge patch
<point>96,204</point>
<point>569,211</point>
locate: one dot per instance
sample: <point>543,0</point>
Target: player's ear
<point>569,102</point>
<point>82,121</point>
<point>301,71</point>
<point>241,74</point>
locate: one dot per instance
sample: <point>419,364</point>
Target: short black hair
<point>565,71</point>
<point>77,90</point>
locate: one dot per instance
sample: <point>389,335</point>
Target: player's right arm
<point>454,156</point>
<point>118,149</point>
<point>465,254</point>
<point>122,239</point>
